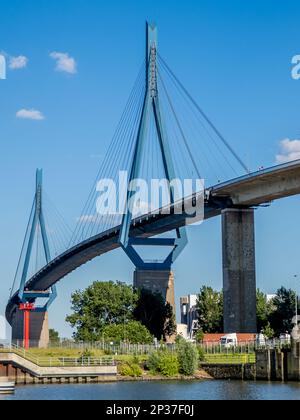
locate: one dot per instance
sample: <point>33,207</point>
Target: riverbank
<point>25,368</point>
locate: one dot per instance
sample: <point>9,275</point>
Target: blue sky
<point>235,58</point>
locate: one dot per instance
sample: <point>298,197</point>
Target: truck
<point>229,340</point>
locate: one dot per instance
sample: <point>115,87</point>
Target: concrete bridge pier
<point>39,329</point>
<point>239,274</point>
<point>157,281</point>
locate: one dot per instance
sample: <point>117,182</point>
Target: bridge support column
<point>239,275</point>
<point>157,281</point>
<point>39,329</point>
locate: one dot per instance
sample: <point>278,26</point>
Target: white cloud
<point>64,62</point>
<point>290,150</point>
<point>30,114</point>
<point>16,63</point>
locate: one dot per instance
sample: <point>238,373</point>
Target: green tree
<point>157,315</point>
<point>133,332</point>
<point>188,358</point>
<point>263,310</point>
<point>268,331</point>
<point>101,304</point>
<point>284,311</point>
<point>199,336</point>
<point>210,310</point>
<point>53,336</point>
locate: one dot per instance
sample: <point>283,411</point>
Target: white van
<point>229,340</point>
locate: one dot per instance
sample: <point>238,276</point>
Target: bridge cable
<point>179,125</point>
<point>206,117</point>
<point>23,249</point>
<point>110,155</point>
<point>207,132</point>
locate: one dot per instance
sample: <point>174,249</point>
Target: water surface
<point>181,390</point>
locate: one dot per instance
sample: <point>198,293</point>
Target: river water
<point>190,390</point>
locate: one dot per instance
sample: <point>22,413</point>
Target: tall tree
<point>263,310</point>
<point>210,310</point>
<point>157,315</point>
<point>53,336</point>
<point>284,311</point>
<point>101,304</point>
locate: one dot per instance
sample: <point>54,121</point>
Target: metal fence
<point>243,348</point>
<point>111,349</point>
<point>106,348</point>
<point>58,361</point>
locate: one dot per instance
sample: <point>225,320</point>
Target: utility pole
<point>296,301</point>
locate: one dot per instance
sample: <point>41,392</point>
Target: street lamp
<point>296,301</point>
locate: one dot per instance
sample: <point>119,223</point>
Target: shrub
<point>200,336</point>
<point>168,364</point>
<point>133,332</point>
<point>201,354</point>
<point>86,354</point>
<point>130,369</point>
<point>188,358</point>
<point>163,362</point>
<point>153,362</point>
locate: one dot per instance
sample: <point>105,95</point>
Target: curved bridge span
<point>249,191</point>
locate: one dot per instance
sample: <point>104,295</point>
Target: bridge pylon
<point>30,322</point>
<point>156,276</point>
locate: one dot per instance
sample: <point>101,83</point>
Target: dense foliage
<point>53,336</point>
<point>116,312</point>
<point>133,332</point>
<point>210,310</point>
<point>163,362</point>
<point>101,304</point>
<point>131,369</point>
<point>273,317</point>
<point>157,315</point>
<point>188,358</point>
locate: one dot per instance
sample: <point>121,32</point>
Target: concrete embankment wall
<point>16,368</point>
<point>230,371</point>
<point>271,365</point>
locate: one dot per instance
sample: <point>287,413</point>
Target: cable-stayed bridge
<point>163,134</point>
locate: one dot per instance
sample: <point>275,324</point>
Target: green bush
<point>130,369</point>
<point>164,363</point>
<point>168,364</point>
<point>153,362</point>
<point>86,354</point>
<point>187,358</point>
<point>133,332</point>
<point>201,354</point>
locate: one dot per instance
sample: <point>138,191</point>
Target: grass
<point>63,352</point>
<point>57,354</point>
<point>42,356</point>
<point>230,358</point>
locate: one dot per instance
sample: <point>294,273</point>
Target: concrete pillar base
<point>239,277</point>
<point>39,329</point>
<point>157,281</point>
